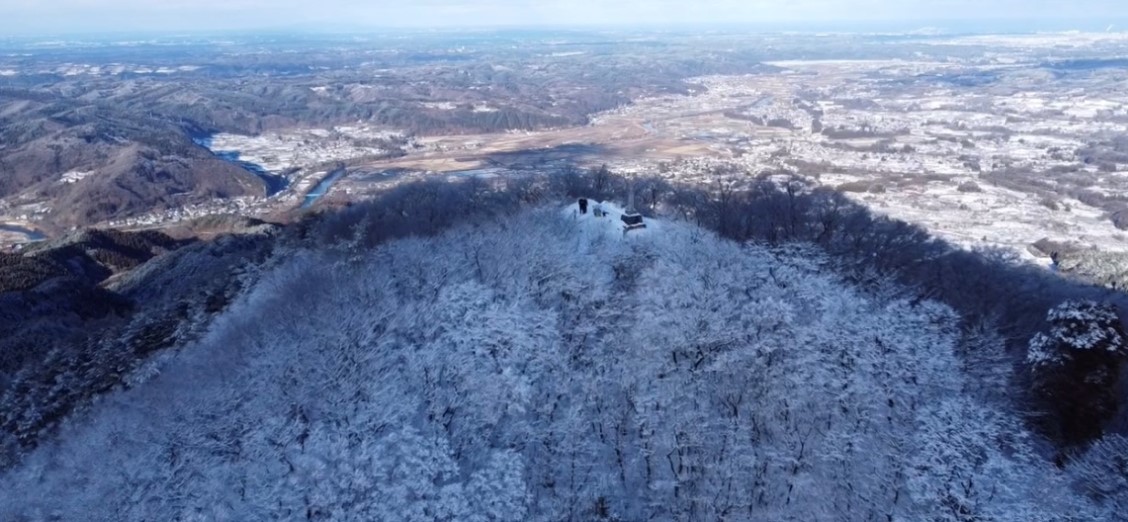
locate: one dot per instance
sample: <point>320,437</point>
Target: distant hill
<point>89,255</point>
<point>89,163</point>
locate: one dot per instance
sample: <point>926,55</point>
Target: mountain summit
<point>546,366</point>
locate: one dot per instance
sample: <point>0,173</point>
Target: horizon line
<point>937,28</point>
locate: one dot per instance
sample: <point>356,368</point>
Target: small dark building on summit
<point>632,220</point>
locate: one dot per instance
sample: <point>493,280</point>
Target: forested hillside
<point>542,366</point>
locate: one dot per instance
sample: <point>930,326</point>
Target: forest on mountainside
<point>545,368</point>
<point>463,351</point>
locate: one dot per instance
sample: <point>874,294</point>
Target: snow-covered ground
<point>609,224</point>
<point>917,143</point>
<point>524,370</point>
<point>75,176</point>
<point>303,148</point>
<point>997,217</point>
<point>1026,42</point>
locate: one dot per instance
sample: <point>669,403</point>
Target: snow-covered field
<point>997,217</point>
<point>300,149</point>
<point>75,176</point>
<point>917,143</point>
<point>1047,40</point>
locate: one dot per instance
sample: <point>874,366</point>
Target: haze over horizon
<point>29,17</point>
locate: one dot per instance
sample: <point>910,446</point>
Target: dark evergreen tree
<point>1077,366</point>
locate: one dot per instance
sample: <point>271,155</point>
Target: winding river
<point>322,187</point>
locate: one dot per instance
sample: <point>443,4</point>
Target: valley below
<point>1012,148</point>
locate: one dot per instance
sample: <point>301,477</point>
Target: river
<point>322,187</point>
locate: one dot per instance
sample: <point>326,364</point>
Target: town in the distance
<point>1013,141</point>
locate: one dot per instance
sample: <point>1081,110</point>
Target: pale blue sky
<point>60,16</point>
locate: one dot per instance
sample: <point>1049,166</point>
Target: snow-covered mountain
<point>547,366</point>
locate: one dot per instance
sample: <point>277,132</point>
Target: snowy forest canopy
<point>542,366</point>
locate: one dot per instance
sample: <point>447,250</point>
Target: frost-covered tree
<point>1077,365</point>
<point>1102,471</point>
<point>1079,330</point>
<point>545,367</point>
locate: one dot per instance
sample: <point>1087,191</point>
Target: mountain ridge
<point>472,367</point>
